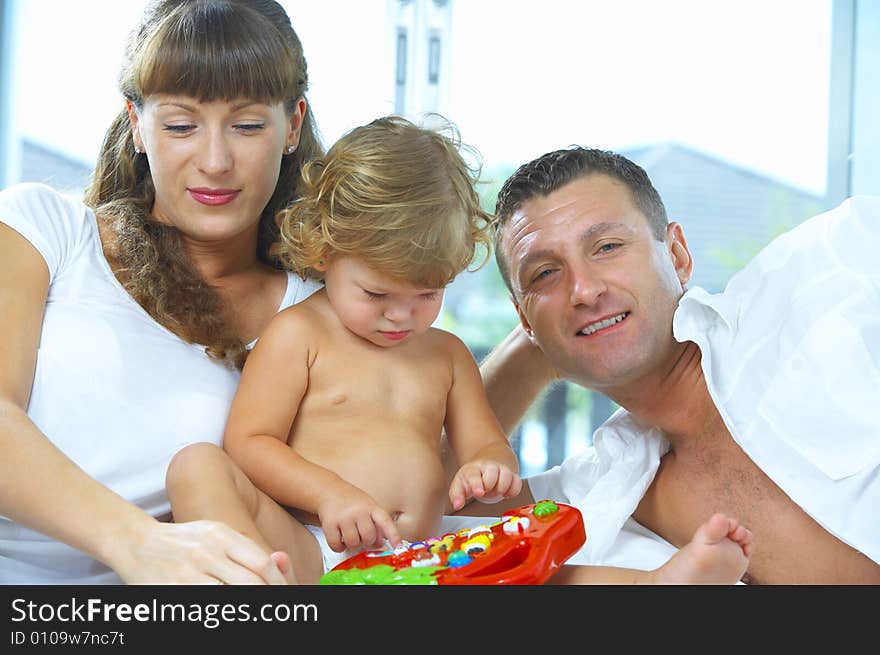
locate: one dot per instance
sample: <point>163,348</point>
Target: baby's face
<point>385,311</point>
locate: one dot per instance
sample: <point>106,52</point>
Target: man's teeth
<point>608,322</point>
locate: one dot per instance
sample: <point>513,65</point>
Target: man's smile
<point>602,324</point>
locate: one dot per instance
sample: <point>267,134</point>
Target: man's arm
<point>514,374</point>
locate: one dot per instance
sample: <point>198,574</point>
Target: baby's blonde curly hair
<point>397,196</point>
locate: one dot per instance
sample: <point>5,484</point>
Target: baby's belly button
<point>407,524</point>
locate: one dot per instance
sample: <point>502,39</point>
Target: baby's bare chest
<point>379,386</point>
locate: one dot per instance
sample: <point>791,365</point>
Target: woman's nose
<point>216,155</point>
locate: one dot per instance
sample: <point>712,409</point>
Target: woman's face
<point>215,164</point>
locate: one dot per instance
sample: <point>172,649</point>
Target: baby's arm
<point>273,383</point>
<point>490,467</point>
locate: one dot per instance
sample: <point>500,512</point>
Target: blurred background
<point>749,116</point>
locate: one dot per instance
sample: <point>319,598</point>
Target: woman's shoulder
<point>298,289</point>
<point>56,223</point>
<point>39,204</point>
<point>26,194</point>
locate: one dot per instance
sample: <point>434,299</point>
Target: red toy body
<point>524,547</point>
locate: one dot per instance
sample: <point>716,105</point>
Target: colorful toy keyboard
<point>524,547</point>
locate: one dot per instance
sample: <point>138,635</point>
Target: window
<point>434,59</point>
<point>400,74</point>
<point>728,106</point>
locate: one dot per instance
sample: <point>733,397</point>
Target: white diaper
<point>330,557</point>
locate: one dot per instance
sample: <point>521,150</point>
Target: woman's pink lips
<point>394,336</point>
<point>214,197</point>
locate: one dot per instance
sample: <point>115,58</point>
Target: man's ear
<point>135,121</point>
<point>682,260</point>
<point>526,326</point>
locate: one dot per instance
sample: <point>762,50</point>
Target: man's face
<point>592,286</point>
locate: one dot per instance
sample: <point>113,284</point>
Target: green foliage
<point>739,253</point>
<point>478,308</point>
<point>490,184</point>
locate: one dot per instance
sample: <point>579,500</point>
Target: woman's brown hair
<point>209,50</point>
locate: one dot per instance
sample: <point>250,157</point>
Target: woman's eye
<point>430,296</point>
<point>250,127</point>
<point>179,129</point>
<point>374,296</point>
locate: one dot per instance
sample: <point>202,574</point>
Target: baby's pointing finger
<point>387,526</point>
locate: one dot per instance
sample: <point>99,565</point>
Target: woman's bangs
<point>220,59</point>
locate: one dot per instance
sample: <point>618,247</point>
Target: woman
<point>124,320</point>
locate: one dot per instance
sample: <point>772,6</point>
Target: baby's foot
<point>718,554</point>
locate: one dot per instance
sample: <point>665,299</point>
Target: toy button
<point>477,544</point>
<point>545,508</point>
<point>458,558</point>
<point>516,525</point>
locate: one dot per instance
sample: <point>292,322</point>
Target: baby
<point>342,402</point>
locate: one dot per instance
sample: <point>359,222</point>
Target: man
<point>761,402</point>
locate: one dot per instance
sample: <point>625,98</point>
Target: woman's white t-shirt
<point>114,390</point>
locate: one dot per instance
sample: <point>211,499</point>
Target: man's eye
<point>608,247</point>
<point>540,275</point>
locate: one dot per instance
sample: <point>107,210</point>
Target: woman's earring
<point>290,149</point>
<point>137,150</point>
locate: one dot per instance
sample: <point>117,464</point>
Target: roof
<point>727,212</point>
<point>40,163</point>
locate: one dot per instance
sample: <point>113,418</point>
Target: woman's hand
<point>196,552</point>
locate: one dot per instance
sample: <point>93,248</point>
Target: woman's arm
<point>43,489</point>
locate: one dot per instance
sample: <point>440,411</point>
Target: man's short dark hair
<point>551,171</point>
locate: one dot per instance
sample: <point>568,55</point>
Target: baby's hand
<point>351,518</point>
<point>485,480</point>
